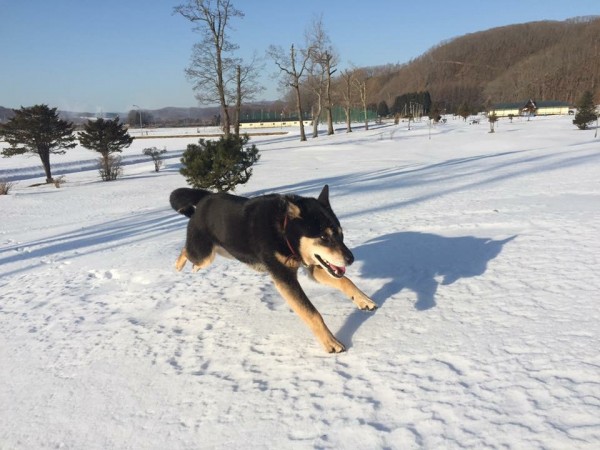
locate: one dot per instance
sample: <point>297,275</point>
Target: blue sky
<point>107,55</point>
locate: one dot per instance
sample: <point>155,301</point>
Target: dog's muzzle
<point>333,269</point>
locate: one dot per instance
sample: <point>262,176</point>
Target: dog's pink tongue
<point>339,270</point>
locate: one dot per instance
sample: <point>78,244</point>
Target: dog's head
<point>317,235</point>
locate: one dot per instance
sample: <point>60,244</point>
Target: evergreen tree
<point>412,103</point>
<point>38,130</point>
<point>106,137</point>
<point>382,109</point>
<point>424,99</point>
<point>586,111</point>
<point>220,165</point>
<point>397,107</point>
<point>464,110</point>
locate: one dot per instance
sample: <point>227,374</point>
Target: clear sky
<point>108,55</point>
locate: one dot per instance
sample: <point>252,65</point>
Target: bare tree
<point>211,69</point>
<point>492,119</point>
<point>247,86</point>
<point>293,68</point>
<point>361,80</point>
<point>316,75</point>
<point>325,59</point>
<point>315,84</point>
<point>347,96</point>
<point>330,62</point>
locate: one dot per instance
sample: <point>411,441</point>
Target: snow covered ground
<point>481,249</point>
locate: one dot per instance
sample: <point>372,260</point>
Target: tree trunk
<point>363,95</point>
<point>226,121</point>
<point>238,102</point>
<point>45,157</point>
<point>299,109</point>
<point>329,121</point>
<point>348,120</point>
<point>329,106</point>
<point>316,115</point>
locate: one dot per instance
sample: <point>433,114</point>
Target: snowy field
<point>481,249</point>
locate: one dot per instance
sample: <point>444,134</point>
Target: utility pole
<point>141,124</point>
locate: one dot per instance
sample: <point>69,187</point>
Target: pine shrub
<point>220,165</point>
<point>586,111</point>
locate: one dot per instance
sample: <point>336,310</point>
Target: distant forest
<point>542,60</point>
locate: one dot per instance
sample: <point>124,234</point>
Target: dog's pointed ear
<point>324,196</point>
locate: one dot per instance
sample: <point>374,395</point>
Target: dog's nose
<point>348,257</point>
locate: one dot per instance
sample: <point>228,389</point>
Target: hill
<point>547,60</point>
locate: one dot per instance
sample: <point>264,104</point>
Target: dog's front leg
<point>344,284</point>
<point>292,292</point>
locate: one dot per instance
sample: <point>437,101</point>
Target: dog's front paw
<point>332,345</point>
<point>363,302</point>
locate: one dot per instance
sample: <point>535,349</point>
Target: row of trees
<point>309,72</point>
<point>39,130</point>
<point>467,69</point>
<point>313,79</point>
<point>220,165</point>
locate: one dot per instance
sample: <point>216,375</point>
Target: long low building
<point>275,124</point>
<point>532,107</point>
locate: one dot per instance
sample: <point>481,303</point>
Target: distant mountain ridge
<point>546,60</point>
<point>168,115</point>
<point>171,115</point>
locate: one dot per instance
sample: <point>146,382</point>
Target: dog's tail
<point>184,200</point>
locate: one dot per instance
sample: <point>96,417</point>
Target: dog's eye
<point>325,237</point>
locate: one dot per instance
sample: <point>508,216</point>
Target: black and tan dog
<point>273,233</point>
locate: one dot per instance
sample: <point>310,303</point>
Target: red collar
<point>294,254</point>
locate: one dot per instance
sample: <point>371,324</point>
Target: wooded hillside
<point>543,60</point>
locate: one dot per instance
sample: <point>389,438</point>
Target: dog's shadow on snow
<point>421,263</point>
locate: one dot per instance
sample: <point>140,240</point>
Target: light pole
<point>141,125</point>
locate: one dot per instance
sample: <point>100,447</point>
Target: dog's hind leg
<point>359,298</point>
<point>181,260</point>
<point>197,264</point>
<point>198,250</point>
<point>204,262</point>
